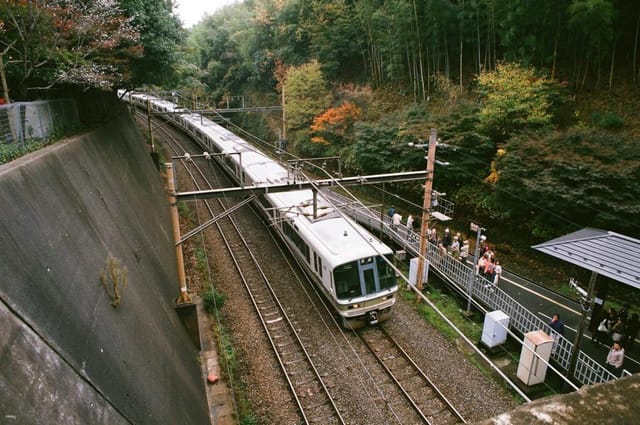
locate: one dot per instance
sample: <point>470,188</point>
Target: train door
<point>368,275</point>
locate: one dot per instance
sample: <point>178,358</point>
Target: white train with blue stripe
<point>350,266</point>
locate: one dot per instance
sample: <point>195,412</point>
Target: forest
<point>536,99</point>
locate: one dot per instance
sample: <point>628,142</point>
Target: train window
<point>320,266</point>
<point>298,242</point>
<point>385,273</point>
<point>347,281</point>
<point>369,281</point>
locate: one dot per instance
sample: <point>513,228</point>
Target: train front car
<point>364,283</point>
<point>346,262</point>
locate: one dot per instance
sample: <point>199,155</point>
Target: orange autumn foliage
<point>333,123</point>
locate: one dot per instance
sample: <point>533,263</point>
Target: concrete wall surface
<point>611,403</point>
<point>65,351</point>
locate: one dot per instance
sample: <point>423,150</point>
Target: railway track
<point>308,388</point>
<point>428,402</point>
<point>424,403</point>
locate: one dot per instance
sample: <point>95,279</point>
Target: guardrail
<point>461,276</point>
<point>23,122</point>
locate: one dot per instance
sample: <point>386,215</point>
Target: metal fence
<point>23,122</point>
<point>461,276</point>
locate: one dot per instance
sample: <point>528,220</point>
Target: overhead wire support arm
<point>299,185</point>
<point>214,220</point>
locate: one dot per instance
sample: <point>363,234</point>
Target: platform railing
<point>483,293</point>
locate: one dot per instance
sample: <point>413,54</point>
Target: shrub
<point>213,300</point>
<point>608,120</point>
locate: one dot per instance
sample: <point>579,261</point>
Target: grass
<point>213,301</point>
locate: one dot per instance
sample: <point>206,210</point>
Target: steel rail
<point>446,404</point>
<point>261,305</point>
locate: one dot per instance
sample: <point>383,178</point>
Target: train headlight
<point>355,306</point>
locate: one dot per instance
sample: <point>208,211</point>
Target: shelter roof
<point>606,253</point>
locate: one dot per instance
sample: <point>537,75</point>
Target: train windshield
<point>363,277</point>
<point>386,274</point>
<point>347,281</point>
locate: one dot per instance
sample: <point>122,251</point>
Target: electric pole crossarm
<point>263,190</point>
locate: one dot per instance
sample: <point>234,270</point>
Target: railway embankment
<point>87,281</point>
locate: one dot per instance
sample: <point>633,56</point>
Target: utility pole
<point>284,117</point>
<point>586,304</point>
<point>175,221</point>
<point>474,269</point>
<point>426,209</point>
<point>153,147</point>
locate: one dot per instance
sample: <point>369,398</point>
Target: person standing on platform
<point>557,330</point>
<point>391,211</point>
<point>497,273</point>
<point>615,358</point>
<point>395,221</point>
<point>464,251</point>
<point>410,227</point>
<point>618,331</point>
<point>455,248</point>
<point>446,239</point>
<point>632,331</point>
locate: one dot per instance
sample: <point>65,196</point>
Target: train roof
<point>336,238</point>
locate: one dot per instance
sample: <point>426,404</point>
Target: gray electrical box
<point>413,271</point>
<point>494,331</point>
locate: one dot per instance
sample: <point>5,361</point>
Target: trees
<point>47,43</point>
<point>333,127</point>
<point>160,36</point>
<point>514,99</point>
<point>592,22</point>
<point>554,183</point>
<point>88,44</point>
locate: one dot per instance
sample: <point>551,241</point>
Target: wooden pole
<point>426,209</point>
<point>175,222</point>
<point>153,148</point>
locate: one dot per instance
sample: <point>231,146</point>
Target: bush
<point>608,120</point>
<point>213,300</point>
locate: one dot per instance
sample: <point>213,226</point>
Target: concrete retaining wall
<point>66,354</point>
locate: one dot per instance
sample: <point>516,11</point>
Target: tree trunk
<point>419,37</point>
<point>478,40</point>
<point>461,40</point>
<point>635,49</point>
<point>613,60</point>
<point>3,80</point>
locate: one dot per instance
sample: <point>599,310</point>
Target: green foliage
<point>514,99</point>
<point>607,120</point>
<point>213,300</point>
<point>307,94</point>
<point>50,43</point>
<point>11,151</point>
<point>249,420</point>
<point>561,181</point>
<point>593,20</point>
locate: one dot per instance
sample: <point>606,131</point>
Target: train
<point>350,266</point>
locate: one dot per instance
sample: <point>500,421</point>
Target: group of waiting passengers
<point>487,265</point>
<point>615,326</point>
<point>617,329</point>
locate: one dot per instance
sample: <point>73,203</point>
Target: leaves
<point>585,176</point>
<point>331,127</point>
<point>515,99</point>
